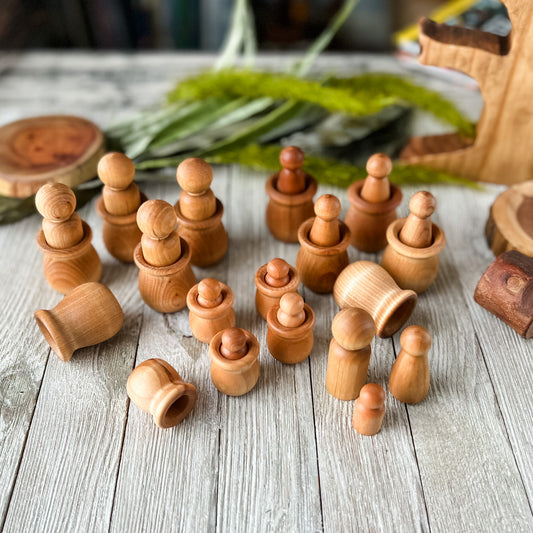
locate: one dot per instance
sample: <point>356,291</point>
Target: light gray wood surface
<point>76,455</point>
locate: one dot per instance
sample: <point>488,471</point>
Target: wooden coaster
<point>39,150</point>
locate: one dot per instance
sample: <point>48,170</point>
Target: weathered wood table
<point>75,455</point>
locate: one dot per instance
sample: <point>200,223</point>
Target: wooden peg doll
<point>409,377</point>
<point>272,281</point>
<point>373,203</point>
<point>234,356</point>
<point>155,387</point>
<point>290,193</point>
<point>163,258</point>
<point>65,240</point>
<point>349,353</point>
<point>369,410</point>
<point>323,243</point>
<point>412,255</point>
<point>200,213</point>
<point>210,304</point>
<point>118,205</point>
<point>290,329</point>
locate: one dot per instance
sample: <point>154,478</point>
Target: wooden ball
<point>277,272</point>
<point>116,170</point>
<point>291,303</point>
<point>415,340</point>
<point>291,158</point>
<point>156,219</point>
<point>422,204</point>
<point>372,396</point>
<point>233,343</point>
<point>327,207</point>
<point>55,201</point>
<point>379,166</point>
<point>194,175</point>
<point>353,328</point>
<point>209,292</point>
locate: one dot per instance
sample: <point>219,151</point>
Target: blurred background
<point>202,24</point>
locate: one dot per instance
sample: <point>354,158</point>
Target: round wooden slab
<point>510,224</point>
<point>39,150</point>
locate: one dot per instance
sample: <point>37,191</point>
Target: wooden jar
<point>210,304</point>
<point>65,269</point>
<point>286,212</point>
<point>349,353</point>
<point>272,281</point>
<point>155,387</point>
<point>121,233</point>
<point>412,268</point>
<point>88,315</point>
<point>165,288</point>
<point>368,286</point>
<point>319,266</point>
<point>234,372</point>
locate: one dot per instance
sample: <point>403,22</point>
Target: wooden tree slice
<point>510,223</point>
<point>40,150</point>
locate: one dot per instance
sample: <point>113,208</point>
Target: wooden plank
<point>24,349</point>
<point>168,478</point>
<point>68,472</point>
<point>268,479</point>
<point>507,356</point>
<point>469,475</point>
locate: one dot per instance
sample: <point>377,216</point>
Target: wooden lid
<point>39,150</point>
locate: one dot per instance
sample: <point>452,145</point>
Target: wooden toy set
<point>165,240</point>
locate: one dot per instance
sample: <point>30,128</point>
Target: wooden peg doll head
<point>209,293</point>
<point>291,179</point>
<point>197,201</point>
<point>120,195</point>
<point>233,343</point>
<point>277,272</point>
<point>376,188</point>
<point>409,377</point>
<point>291,312</point>
<point>325,229</point>
<point>417,230</point>
<point>369,410</point>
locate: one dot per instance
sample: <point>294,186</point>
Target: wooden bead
<point>416,231</point>
<point>88,315</point>
<point>376,188</point>
<point>290,193</point>
<point>210,304</point>
<point>234,357</point>
<point>369,410</point>
<point>290,343</point>
<point>368,286</point>
<point>116,170</point>
<point>55,201</point>
<point>409,377</point>
<point>155,387</point>
<point>272,281</point>
<point>291,178</point>
<point>325,229</point>
<point>505,290</point>
<point>349,353</point>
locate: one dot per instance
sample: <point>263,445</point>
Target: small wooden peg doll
<point>369,410</point>
<point>417,230</point>
<point>409,377</point>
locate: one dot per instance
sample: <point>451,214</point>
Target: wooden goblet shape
<point>155,387</point>
<point>88,315</point>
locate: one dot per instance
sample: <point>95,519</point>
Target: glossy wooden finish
<point>319,264</point>
<point>506,290</point>
<point>46,149</point>
<point>290,193</point>
<point>510,223</point>
<point>369,410</point>
<point>368,286</point>
<point>155,387</point>
<point>272,281</point>
<point>200,213</point>
<point>349,353</point>
<point>210,304</point>
<point>409,377</point>
<point>234,354</point>
<point>290,329</point>
<point>88,315</point>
